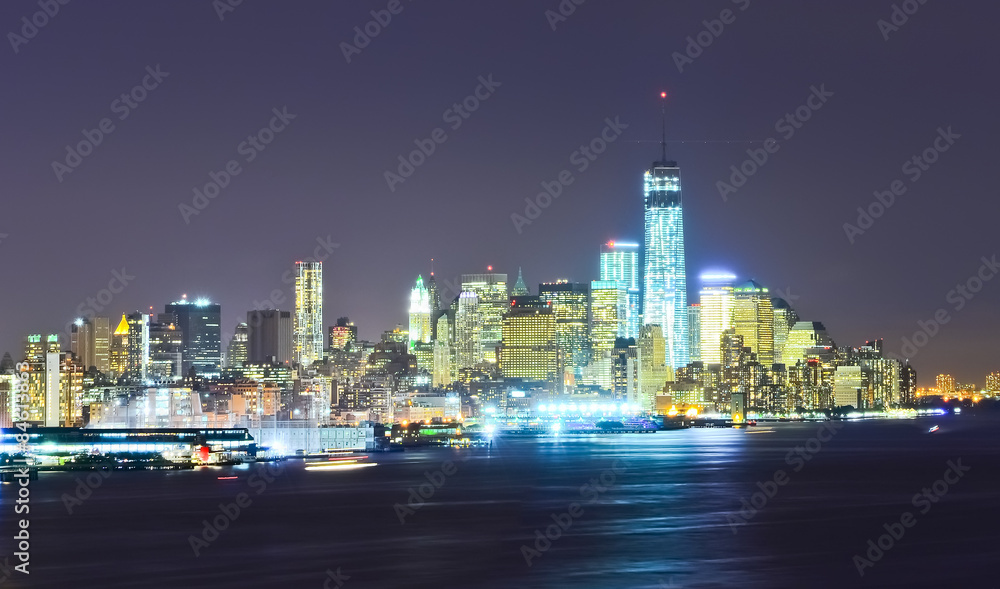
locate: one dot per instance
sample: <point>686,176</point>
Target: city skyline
<point>876,284</point>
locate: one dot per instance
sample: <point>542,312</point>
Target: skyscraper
<point>784,319</point>
<point>620,262</point>
<point>269,337</point>
<point>753,318</point>
<point>570,302</point>
<point>137,348</point>
<point>491,292</point>
<point>694,332</point>
<point>716,316</point>
<point>118,354</point>
<point>236,352</point>
<point>420,314</point>
<point>664,276</point>
<point>308,327</point>
<point>468,331</point>
<point>529,340</point>
<point>608,303</point>
<point>200,323</point>
<point>344,333</point>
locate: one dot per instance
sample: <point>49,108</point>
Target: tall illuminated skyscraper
<point>420,313</point>
<point>753,318</point>
<point>491,292</point>
<point>468,331</point>
<point>716,315</point>
<point>137,346</point>
<point>570,302</point>
<point>200,324</point>
<point>520,288</point>
<point>664,276</point>
<point>620,262</point>
<point>694,332</point>
<point>308,324</point>
<point>608,303</point>
<point>529,340</point>
<point>118,351</point>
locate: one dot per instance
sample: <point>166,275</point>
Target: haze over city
<point>323,177</point>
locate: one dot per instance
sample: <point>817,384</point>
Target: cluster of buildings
<point>626,343</point>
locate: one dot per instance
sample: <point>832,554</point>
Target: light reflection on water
<point>661,523</point>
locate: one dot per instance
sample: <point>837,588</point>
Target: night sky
<point>322,176</point>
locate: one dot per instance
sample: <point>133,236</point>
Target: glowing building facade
<point>570,302</point>
<point>420,314</point>
<point>753,318</point>
<point>716,317</point>
<point>608,307</point>
<point>529,340</point>
<point>491,292</point>
<point>620,262</point>
<point>308,322</point>
<point>200,324</point>
<point>664,275</point>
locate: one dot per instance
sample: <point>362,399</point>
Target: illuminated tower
<point>608,304</point>
<point>570,302</point>
<point>137,348</point>
<point>491,292</point>
<point>42,391</point>
<point>200,324</point>
<point>118,354</point>
<point>420,313</point>
<point>236,353</point>
<point>529,340</point>
<point>716,315</point>
<point>784,319</point>
<point>620,262</point>
<point>694,331</point>
<point>664,276</point>
<point>308,324</point>
<point>753,318</point>
<point>520,288</point>
<point>468,331</point>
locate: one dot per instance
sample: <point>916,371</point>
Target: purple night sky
<point>322,176</point>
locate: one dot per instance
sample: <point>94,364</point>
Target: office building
<point>664,274</point>
<point>753,318</point>
<point>343,334</point>
<point>200,323</point>
<point>716,316</point>
<point>620,262</point>
<point>269,337</point>
<point>236,352</point>
<point>491,292</point>
<point>570,303</point>
<point>420,314</point>
<point>529,344</point>
<point>308,323</point>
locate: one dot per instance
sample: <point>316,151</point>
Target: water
<point>661,522</point>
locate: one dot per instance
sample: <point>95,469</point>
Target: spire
<point>520,288</point>
<point>663,140</point>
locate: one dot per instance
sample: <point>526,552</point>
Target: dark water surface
<point>661,521</point>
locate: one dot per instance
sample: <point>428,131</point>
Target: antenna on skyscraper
<point>432,266</point>
<point>663,142</point>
